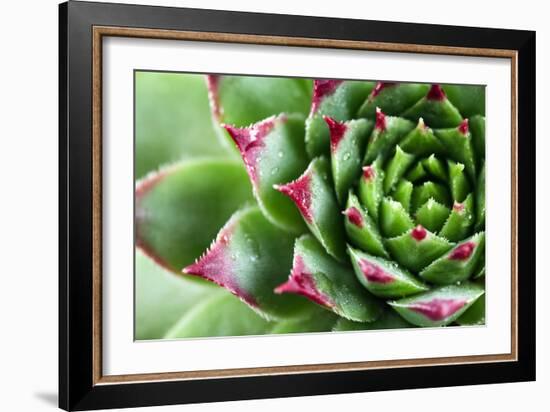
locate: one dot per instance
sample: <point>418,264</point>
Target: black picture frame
<point>77,389</point>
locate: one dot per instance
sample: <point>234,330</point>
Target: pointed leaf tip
<point>375,273</point>
<point>464,127</point>
<point>462,251</point>
<point>250,257</point>
<point>177,213</point>
<point>458,207</point>
<point>379,87</point>
<point>302,283</point>
<point>332,285</point>
<point>322,89</point>
<point>458,264</point>
<point>383,278</point>
<point>380,123</point>
<point>369,173</point>
<point>215,265</point>
<point>299,191</point>
<point>436,93</point>
<point>273,151</point>
<point>336,130</point>
<point>251,137</point>
<point>439,306</point>
<point>354,216</point>
<point>419,233</point>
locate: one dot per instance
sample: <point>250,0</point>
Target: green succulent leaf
<point>317,319</point>
<point>337,99</point>
<point>477,129</point>
<point>421,141</point>
<point>361,229</point>
<point>469,100</point>
<point>474,315</point>
<point>243,100</point>
<point>435,109</point>
<point>458,143</point>
<point>384,278</point>
<point>221,314</point>
<point>392,98</point>
<point>429,190</point>
<point>394,219</point>
<point>250,257</point>
<point>273,151</point>
<point>314,196</point>
<point>438,307</point>
<point>403,194</point>
<point>417,173</point>
<point>435,168</point>
<point>371,189</point>
<point>432,215</point>
<point>347,145</point>
<point>417,248</point>
<point>480,271</point>
<point>458,264</point>
<point>388,131</point>
<point>180,209</point>
<point>383,183</point>
<point>458,182</point>
<point>460,220</point>
<point>480,199</point>
<point>327,282</point>
<point>396,168</point>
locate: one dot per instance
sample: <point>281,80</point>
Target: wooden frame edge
<point>97,228</point>
<point>98,32</point>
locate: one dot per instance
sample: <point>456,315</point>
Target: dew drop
<point>274,171</point>
<point>347,155</point>
<point>280,154</point>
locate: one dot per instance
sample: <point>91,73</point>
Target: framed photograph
<point>256,206</point>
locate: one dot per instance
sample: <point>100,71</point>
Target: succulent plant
<point>364,206</point>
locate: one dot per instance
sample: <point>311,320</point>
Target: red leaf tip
<point>463,251</point>
<point>354,216</point>
<point>322,89</point>
<point>436,93</point>
<point>458,207</point>
<point>216,266</point>
<point>302,283</point>
<point>374,273</point>
<point>438,309</point>
<point>250,141</point>
<point>464,127</point>
<point>380,120</point>
<point>299,191</point>
<point>369,173</point>
<point>379,87</point>
<point>337,130</point>
<point>419,233</point>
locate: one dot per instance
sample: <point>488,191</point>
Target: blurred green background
<point>173,124</point>
<point>172,120</point>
